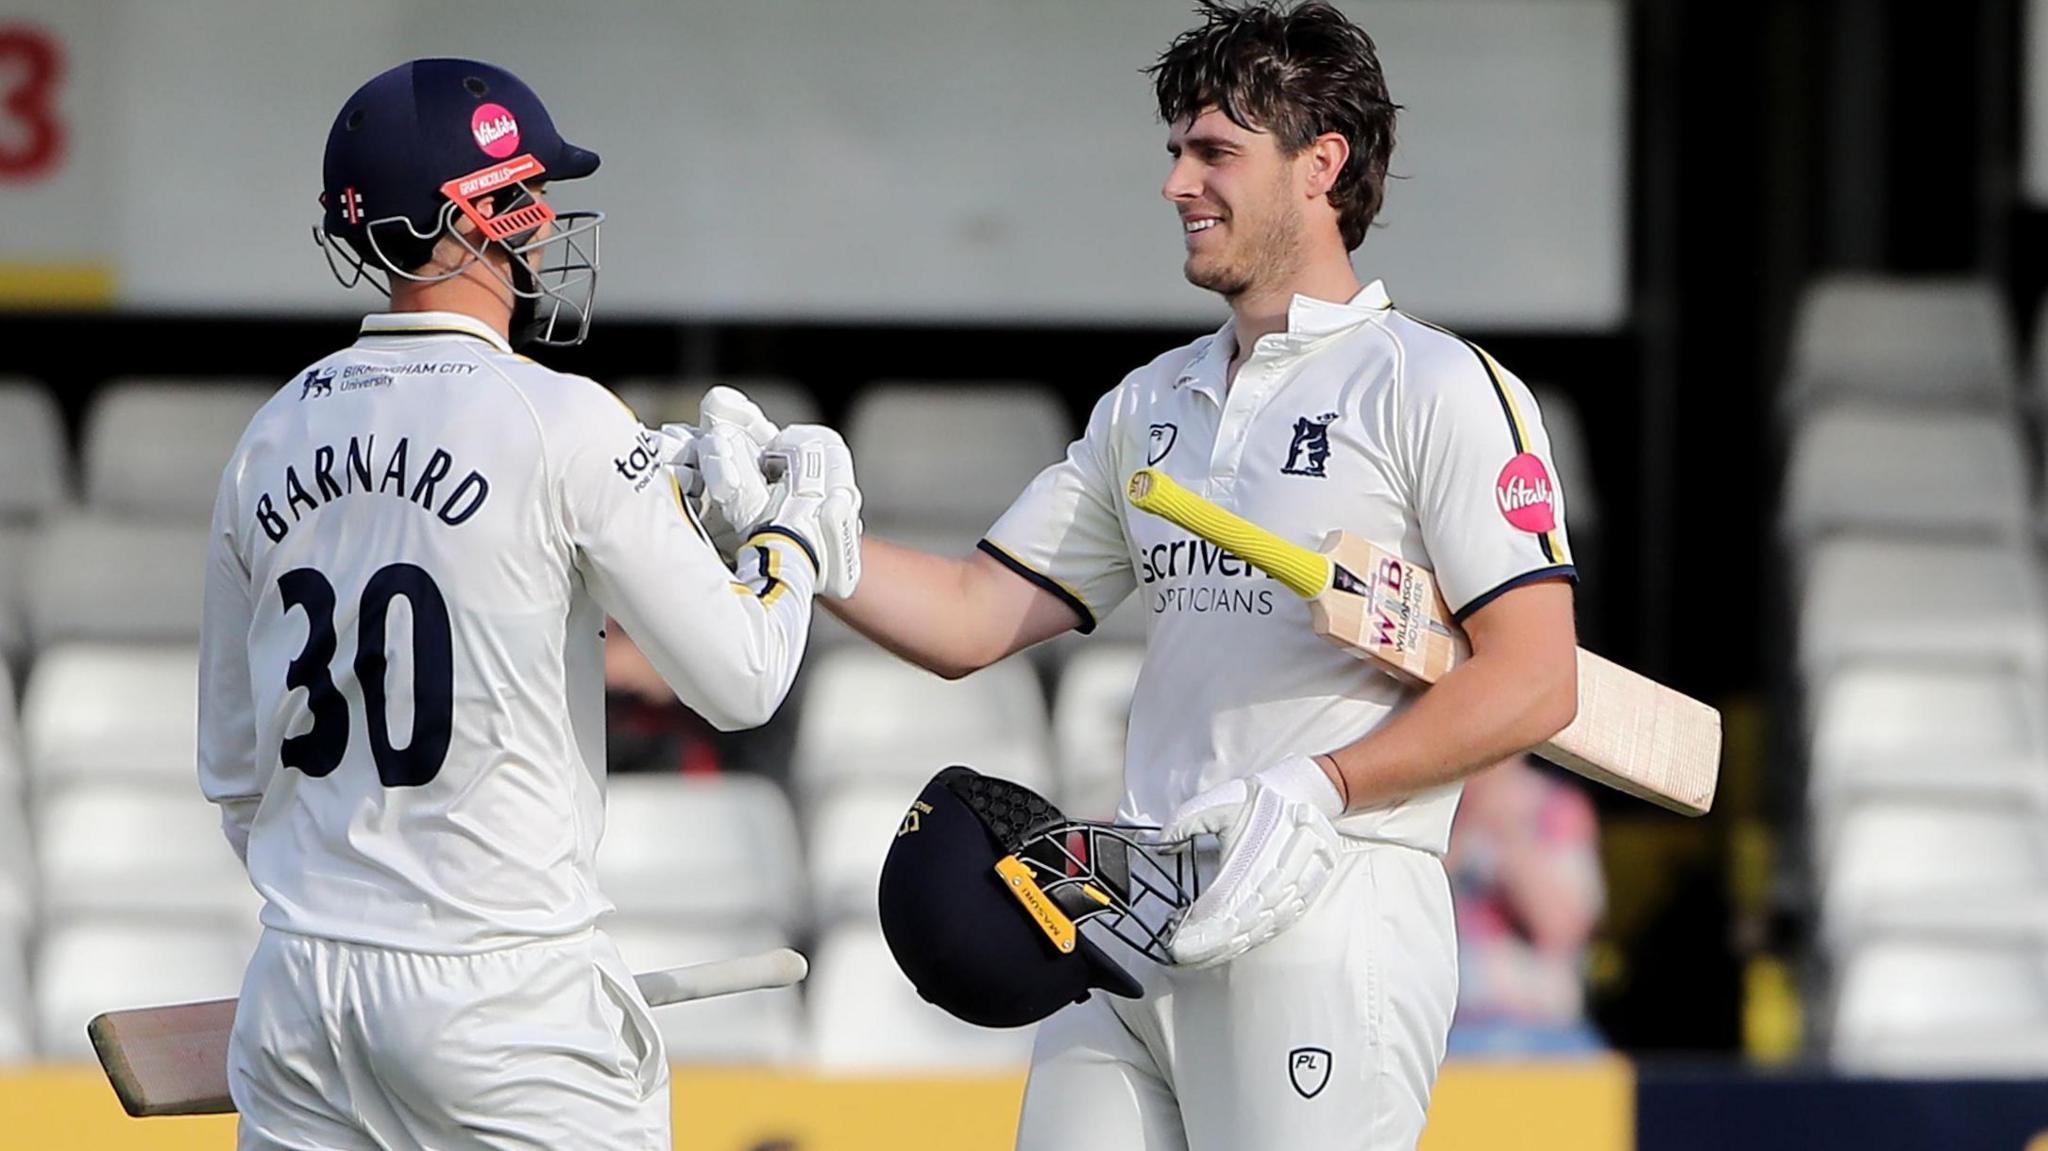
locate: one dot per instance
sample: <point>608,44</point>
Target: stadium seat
<point>93,578</point>
<point>870,719</point>
<point>34,461</point>
<point>154,449</point>
<point>702,850</point>
<point>1925,1007</point>
<point>97,712</point>
<point>752,1027</point>
<point>1091,715</point>
<point>118,851</point>
<point>84,968</point>
<point>1918,603</point>
<point>951,456</point>
<point>17,865</point>
<point>17,1021</point>
<point>13,775</point>
<point>1931,731</point>
<point>1889,861</point>
<point>1935,342</point>
<point>850,834</point>
<point>866,1017</point>
<point>34,482</point>
<point>666,401</point>
<point>1900,472</point>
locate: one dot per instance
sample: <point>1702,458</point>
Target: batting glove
<point>817,498</point>
<point>719,465</point>
<point>1279,851</point>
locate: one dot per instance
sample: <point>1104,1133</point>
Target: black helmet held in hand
<point>986,889</point>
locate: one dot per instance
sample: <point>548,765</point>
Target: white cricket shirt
<point>1356,417</point>
<point>401,671</point>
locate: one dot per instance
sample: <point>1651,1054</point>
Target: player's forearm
<point>1494,705</point>
<point>934,611</point>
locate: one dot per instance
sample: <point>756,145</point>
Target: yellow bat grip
<point>1307,573</point>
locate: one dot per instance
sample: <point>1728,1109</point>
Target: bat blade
<point>1631,733</point>
<point>174,1060</point>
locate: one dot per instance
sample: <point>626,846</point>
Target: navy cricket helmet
<point>435,142</point>
<point>986,888</point>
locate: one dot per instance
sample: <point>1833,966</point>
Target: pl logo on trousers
<point>1309,1069</point>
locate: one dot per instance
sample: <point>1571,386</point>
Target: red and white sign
<point>1523,493</point>
<point>496,132</point>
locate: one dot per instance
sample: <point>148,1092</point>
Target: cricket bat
<point>174,1060</point>
<point>1632,733</point>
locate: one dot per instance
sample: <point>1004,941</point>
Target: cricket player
<point>414,549</point>
<point>1315,977</point>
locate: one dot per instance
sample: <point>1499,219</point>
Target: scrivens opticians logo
<point>1200,578</point>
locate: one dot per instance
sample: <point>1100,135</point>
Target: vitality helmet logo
<point>1523,494</point>
<point>496,132</point>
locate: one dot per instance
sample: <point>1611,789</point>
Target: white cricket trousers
<point>548,1045</point>
<point>1326,1038</point>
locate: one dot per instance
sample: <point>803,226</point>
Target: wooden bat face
<point>1381,607</point>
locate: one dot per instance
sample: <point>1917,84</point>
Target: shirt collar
<point>427,325</point>
<point>1308,320</point>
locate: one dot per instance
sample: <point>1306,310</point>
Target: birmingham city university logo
<point>1309,1069</point>
<point>1163,436</point>
<point>318,382</point>
<point>1310,449</point>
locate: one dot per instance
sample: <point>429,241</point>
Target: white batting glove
<point>1279,851</point>
<point>818,498</point>
<point>719,465</point>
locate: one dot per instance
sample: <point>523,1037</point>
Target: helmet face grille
<point>1010,811</point>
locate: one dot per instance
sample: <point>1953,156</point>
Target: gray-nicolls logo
<point>1308,1068</point>
<point>1161,443</point>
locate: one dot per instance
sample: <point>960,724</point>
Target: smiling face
<point>1240,202</point>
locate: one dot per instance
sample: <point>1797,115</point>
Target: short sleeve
<point>1065,533</point>
<point>1484,487</point>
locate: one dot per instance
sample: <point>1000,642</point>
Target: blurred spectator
<point>1525,876</point>
<point>649,730</point>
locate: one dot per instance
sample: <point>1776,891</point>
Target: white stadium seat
<point>17,865</point>
<point>851,831</point>
<point>1921,604</point>
<point>870,719</point>
<point>1091,714</point>
<point>1931,731</point>
<point>111,851</point>
<point>705,850</point>
<point>17,1020</point>
<point>155,449</point>
<point>952,455</point>
<point>96,712</point>
<point>92,578</point>
<point>1921,1007</point>
<point>34,460</point>
<point>82,969</point>
<point>1937,342</point>
<point>663,401</point>
<point>1893,471</point>
<point>1899,864</point>
<point>867,1018</point>
<point>752,1027</point>
<point>13,774</point>
<point>34,483</point>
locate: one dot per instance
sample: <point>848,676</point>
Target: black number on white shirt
<point>318,751</point>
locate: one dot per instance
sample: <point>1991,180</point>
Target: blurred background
<point>1773,266</point>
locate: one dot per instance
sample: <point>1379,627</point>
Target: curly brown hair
<point>1297,72</point>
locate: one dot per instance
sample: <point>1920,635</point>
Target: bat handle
<point>1306,573</point>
